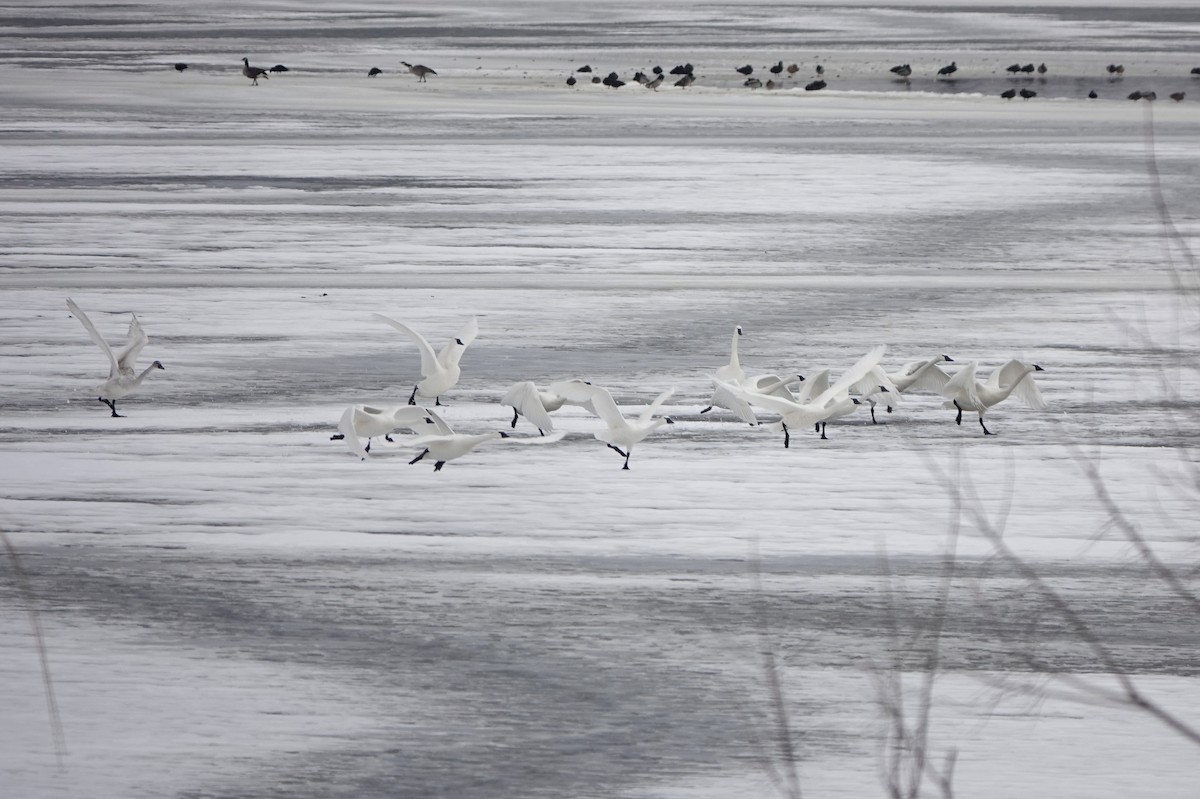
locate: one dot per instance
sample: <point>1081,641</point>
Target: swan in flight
<point>527,400</point>
<point>733,374</point>
<point>925,375</point>
<point>966,393</point>
<point>812,407</point>
<point>367,421</point>
<point>446,445</point>
<point>439,371</point>
<point>122,379</point>
<point>621,434</point>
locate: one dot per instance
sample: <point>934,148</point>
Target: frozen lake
<point>235,606</point>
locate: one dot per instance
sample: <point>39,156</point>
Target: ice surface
<point>235,606</point>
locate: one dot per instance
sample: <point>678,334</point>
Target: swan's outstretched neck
<point>137,381</point>
<point>733,350</point>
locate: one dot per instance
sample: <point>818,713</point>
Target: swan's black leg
<point>367,448</point>
<point>958,419</point>
<point>541,432</point>
<point>817,427</point>
<point>422,455</point>
<point>889,408</point>
<point>618,450</point>
<point>515,417</point>
<point>437,467</point>
<point>873,415</point>
<point>388,438</point>
<point>823,438</point>
<point>112,404</point>
<point>412,398</point>
<point>627,454</point>
<point>706,410</point>
<point>787,437</point>
<point>437,402</point>
<point>986,432</point>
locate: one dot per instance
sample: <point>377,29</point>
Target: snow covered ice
<point>236,606</point>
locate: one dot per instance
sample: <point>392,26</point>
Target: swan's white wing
<point>432,438</point>
<point>772,384</point>
<point>653,406</point>
<point>429,359</point>
<point>814,386</point>
<point>414,417</point>
<point>439,424</point>
<point>963,384</point>
<point>723,398</point>
<point>602,403</point>
<point>557,388</point>
<point>877,385</point>
<point>931,377</point>
<point>350,434</point>
<point>452,353</point>
<point>525,398</point>
<point>852,375</point>
<point>134,342</point>
<point>114,366</point>
<point>768,401</point>
<point>1026,389</point>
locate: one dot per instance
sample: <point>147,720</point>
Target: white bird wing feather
<point>525,398</point>
<point>439,424</point>
<point>768,401</point>
<point>724,398</point>
<point>963,384</point>
<point>931,377</point>
<point>349,434</point>
<point>1026,390</point>
<point>644,418</point>
<point>550,439</point>
<point>114,366</point>
<point>429,359</point>
<point>135,340</point>
<point>414,417</point>
<point>452,353</point>
<point>814,385</point>
<point>602,403</point>
<point>852,375</point>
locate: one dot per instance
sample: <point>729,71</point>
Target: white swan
<point>925,375</point>
<point>966,393</point>
<point>122,379</point>
<point>621,433</point>
<point>439,371</point>
<point>368,421</point>
<point>733,374</point>
<point>831,403</point>
<point>446,445</point>
<point>527,400</point>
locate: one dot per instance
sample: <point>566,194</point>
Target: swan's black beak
<point>669,420</point>
<point>883,389</point>
<point>801,378</point>
<point>947,359</point>
<point>739,330</point>
<point>855,400</point>
<point>159,365</point>
<point>458,341</point>
<point>504,434</point>
<point>1037,368</point>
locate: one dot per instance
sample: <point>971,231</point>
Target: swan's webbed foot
<point>986,432</point>
<point>625,468</point>
<point>823,438</point>
<point>437,467</point>
<point>619,451</point>
<point>112,406</point>
<point>337,437</point>
<point>412,398</point>
<point>958,419</point>
<point>706,410</point>
<point>889,409</point>
<point>422,455</point>
<point>367,448</point>
<point>388,438</point>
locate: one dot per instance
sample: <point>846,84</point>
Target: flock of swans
<point>798,401</point>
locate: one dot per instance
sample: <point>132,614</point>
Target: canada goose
<point>793,69</point>
<point>374,71</point>
<point>1092,94</point>
<point>1178,96</point>
<point>685,81</point>
<point>1028,69</point>
<point>440,370</point>
<point>966,393</point>
<point>1013,68</point>
<point>1027,93</point>
<point>1008,94</point>
<point>949,69</point>
<point>771,84</point>
<point>420,70</point>
<point>641,77</point>
<point>584,68</point>
<point>612,78</point>
<point>681,69</point>
<point>121,378</point>
<point>180,66</point>
<point>253,73</point>
<point>596,79</point>
<point>657,70</point>
<point>753,83</point>
<point>654,84</point>
<point>570,80</point>
<point>820,70</point>
<point>746,70</point>
<point>903,70</point>
<point>1042,70</point>
<point>777,69</point>
<point>620,434</point>
<point>279,68</point>
<point>1196,70</point>
<point>815,86</point>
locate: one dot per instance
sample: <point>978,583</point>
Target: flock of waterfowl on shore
<point>797,400</point>
<point>684,75</point>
